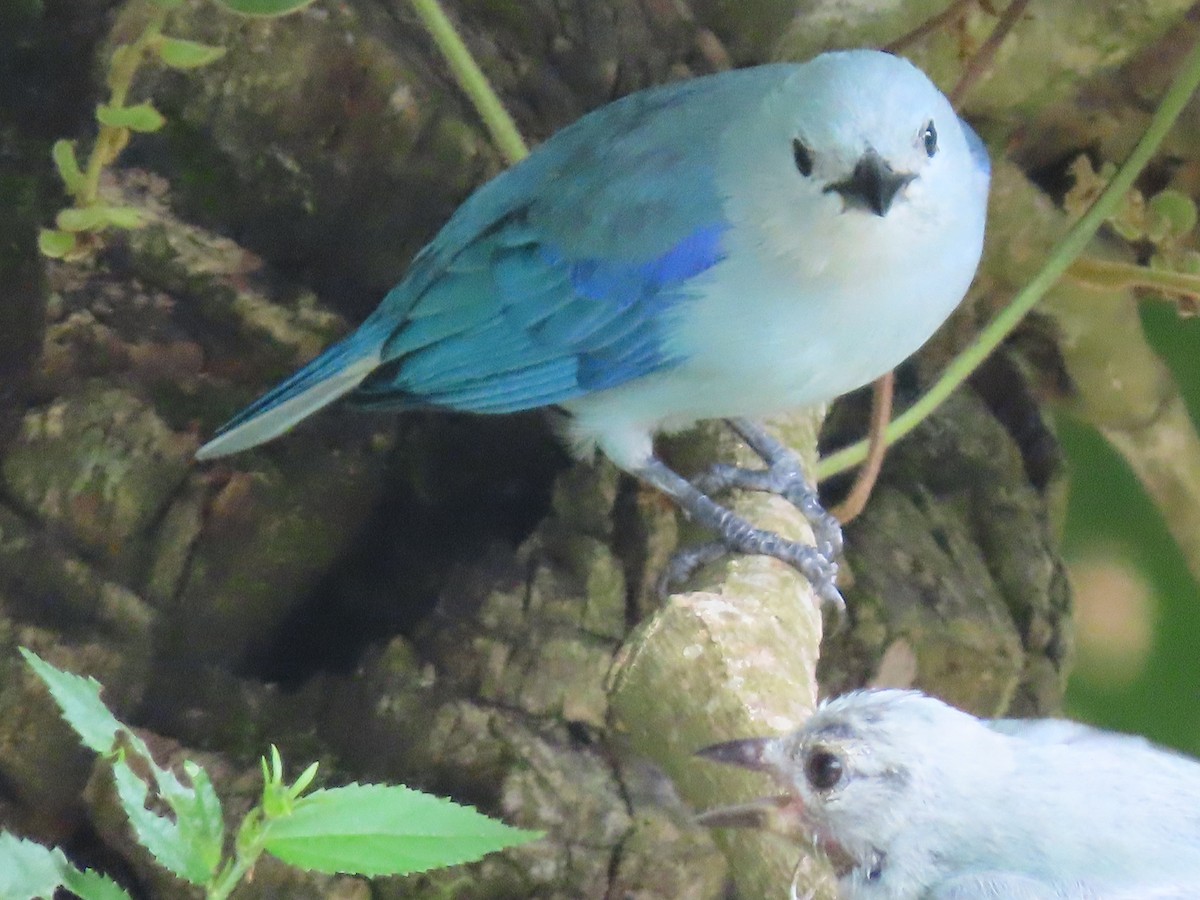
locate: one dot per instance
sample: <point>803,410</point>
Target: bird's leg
<point>737,534</point>
<point>784,476</point>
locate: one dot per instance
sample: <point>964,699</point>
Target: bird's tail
<point>333,374</point>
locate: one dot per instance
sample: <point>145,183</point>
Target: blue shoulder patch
<point>621,282</point>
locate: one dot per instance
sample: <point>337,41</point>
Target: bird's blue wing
<point>517,322</point>
<point>556,278</point>
<point>562,275</point>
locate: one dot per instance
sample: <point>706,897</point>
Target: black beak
<point>872,185</point>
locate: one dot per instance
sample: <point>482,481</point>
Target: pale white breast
<point>771,330</point>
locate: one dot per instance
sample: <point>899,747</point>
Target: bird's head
<point>859,145</point>
<point>864,769</point>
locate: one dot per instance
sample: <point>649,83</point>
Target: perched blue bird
<point>912,799</point>
<point>732,246</point>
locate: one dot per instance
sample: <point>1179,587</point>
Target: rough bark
<point>445,601</point>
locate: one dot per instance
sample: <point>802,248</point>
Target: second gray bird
<point>911,798</point>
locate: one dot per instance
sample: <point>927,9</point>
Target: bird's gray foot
<point>784,476</point>
<point>739,535</point>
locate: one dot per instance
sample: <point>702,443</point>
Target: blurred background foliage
<point>1137,603</point>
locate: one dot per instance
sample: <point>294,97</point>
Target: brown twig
<point>864,482</point>
<point>978,64</point>
<point>884,389</point>
<point>929,26</point>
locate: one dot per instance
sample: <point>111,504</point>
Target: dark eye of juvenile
<point>823,769</point>
<point>803,156</point>
<point>929,136</point>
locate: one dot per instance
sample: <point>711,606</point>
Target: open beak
<point>782,814</point>
<point>765,814</point>
<point>872,185</point>
<point>779,813</point>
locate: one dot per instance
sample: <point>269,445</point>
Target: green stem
<point>472,80</point>
<point>249,847</point>
<point>110,140</point>
<point>1123,276</point>
<point>1072,244</point>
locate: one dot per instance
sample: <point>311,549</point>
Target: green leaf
<point>78,699</point>
<point>141,117</point>
<point>89,885</point>
<point>198,811</point>
<point>63,153</point>
<point>90,218</point>
<point>265,7</point>
<point>97,217</point>
<point>167,4</point>
<point>159,834</point>
<point>189,845</point>
<point>29,871</point>
<point>54,243</point>
<point>122,216</point>
<point>304,781</point>
<point>373,829</point>
<point>180,54</point>
<point>1173,214</point>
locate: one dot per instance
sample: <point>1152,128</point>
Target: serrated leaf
<point>265,7</point>
<point>198,823</point>
<point>54,243</point>
<point>140,117</point>
<point>28,870</point>
<point>198,812</point>
<point>90,885</point>
<point>182,54</point>
<point>90,218</point>
<point>63,154</point>
<point>78,699</point>
<point>159,834</point>
<point>373,829</point>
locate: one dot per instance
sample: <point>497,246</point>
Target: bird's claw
<point>818,570</point>
<point>784,476</point>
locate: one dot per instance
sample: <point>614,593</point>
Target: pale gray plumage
<point>915,800</point>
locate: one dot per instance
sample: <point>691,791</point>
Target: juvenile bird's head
<point>867,768</point>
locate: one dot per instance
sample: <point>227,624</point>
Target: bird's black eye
<point>803,157</point>
<point>929,136</point>
<point>823,769</point>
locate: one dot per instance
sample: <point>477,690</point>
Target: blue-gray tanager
<point>912,799</point>
<point>732,246</point>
